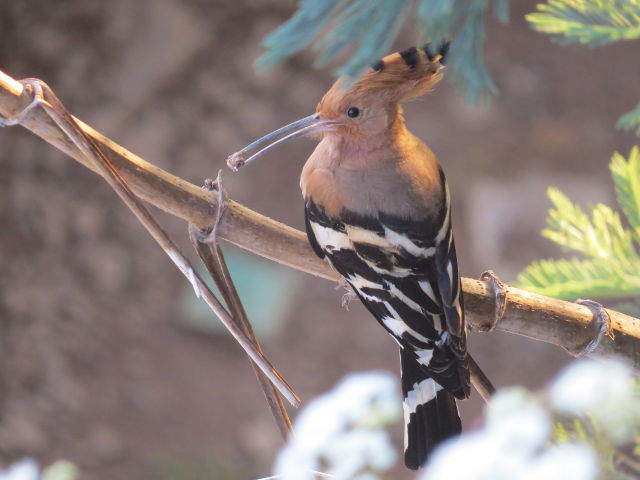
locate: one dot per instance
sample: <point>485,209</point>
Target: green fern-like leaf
<point>593,22</point>
<point>626,177</point>
<point>614,242</point>
<point>612,264</point>
<point>310,19</point>
<point>602,236</point>
<point>630,120</point>
<point>567,224</point>
<point>369,27</point>
<point>569,279</point>
<point>467,56</point>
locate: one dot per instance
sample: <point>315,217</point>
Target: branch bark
<point>565,324</point>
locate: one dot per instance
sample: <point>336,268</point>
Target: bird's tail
<point>430,412</point>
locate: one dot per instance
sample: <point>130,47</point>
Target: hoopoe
<point>378,208</point>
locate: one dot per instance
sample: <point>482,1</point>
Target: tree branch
<point>565,324</point>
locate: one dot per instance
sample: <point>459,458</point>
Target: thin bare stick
<point>44,97</point>
<point>546,319</point>
<point>213,259</point>
<point>480,381</point>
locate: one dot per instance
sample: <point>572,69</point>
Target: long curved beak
<point>304,126</point>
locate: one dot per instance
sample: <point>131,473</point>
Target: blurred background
<point>107,360</point>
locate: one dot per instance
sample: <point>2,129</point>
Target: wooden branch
<point>542,318</point>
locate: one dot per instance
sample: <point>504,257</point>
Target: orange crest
<point>396,78</point>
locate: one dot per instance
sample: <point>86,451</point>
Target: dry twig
<point>542,318</point>
<point>44,98</point>
<point>206,244</point>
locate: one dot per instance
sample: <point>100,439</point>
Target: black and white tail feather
<point>405,272</point>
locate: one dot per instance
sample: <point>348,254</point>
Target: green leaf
<point>467,62</point>
<point>612,264</point>
<point>567,224</point>
<point>593,22</point>
<point>602,237</point>
<point>372,25</point>
<point>613,241</point>
<point>630,120</point>
<point>569,279</point>
<point>309,20</point>
<point>501,10</point>
<point>626,177</point>
<point>369,27</point>
<point>437,18</point>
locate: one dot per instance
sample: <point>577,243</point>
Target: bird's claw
<point>209,234</point>
<point>499,290</point>
<point>38,98</point>
<point>348,294</point>
<point>601,321</point>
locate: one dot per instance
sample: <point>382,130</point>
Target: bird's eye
<point>353,112</point>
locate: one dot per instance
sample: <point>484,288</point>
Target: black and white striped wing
<point>406,274</point>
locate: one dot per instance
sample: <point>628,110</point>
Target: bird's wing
<point>405,279</point>
<point>310,235</point>
<point>433,239</point>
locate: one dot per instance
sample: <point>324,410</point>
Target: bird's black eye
<point>353,112</point>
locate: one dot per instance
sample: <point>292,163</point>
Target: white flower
<point>517,416</point>
<point>569,461</point>
<point>516,428</point>
<point>602,389</point>
<point>358,450</point>
<point>473,456</point>
<point>25,469</point>
<point>343,432</point>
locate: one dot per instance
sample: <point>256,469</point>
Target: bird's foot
<point>210,234</point>
<point>36,89</point>
<point>348,295</point>
<point>601,323</point>
<point>499,291</point>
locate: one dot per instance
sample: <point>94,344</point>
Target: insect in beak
<point>304,126</point>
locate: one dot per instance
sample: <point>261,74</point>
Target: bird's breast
<point>369,182</point>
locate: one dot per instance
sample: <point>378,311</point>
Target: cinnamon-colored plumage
<point>377,207</point>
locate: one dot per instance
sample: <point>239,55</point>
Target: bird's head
<point>369,105</point>
<point>365,107</point>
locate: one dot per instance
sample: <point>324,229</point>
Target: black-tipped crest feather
<point>444,50</point>
<point>410,56</point>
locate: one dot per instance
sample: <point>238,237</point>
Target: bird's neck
<point>359,151</point>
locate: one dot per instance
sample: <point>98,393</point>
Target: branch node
<point>499,291</point>
<point>210,234</point>
<point>602,323</point>
<point>34,87</point>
